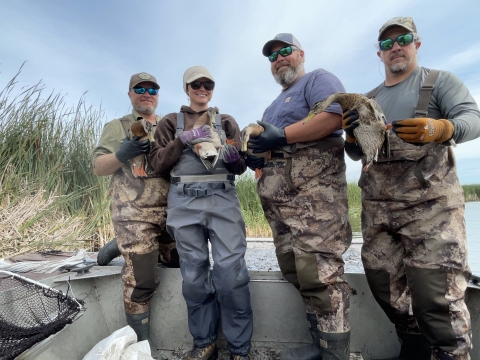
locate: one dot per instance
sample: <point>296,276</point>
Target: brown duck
<point>370,133</point>
<point>144,129</point>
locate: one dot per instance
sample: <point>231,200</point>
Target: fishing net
<point>30,312</point>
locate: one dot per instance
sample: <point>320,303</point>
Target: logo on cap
<point>144,76</point>
<point>278,36</point>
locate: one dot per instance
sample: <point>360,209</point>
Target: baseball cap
<point>285,38</point>
<point>194,73</point>
<point>403,21</point>
<point>142,77</point>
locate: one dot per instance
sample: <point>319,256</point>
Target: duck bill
<point>309,117</point>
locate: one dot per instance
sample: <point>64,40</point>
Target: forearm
<point>318,127</point>
<point>106,164</point>
<point>237,167</point>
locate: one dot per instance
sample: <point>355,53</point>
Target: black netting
<point>30,313</point>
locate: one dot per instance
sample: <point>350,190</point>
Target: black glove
<point>254,162</point>
<point>271,138</point>
<point>131,148</point>
<point>349,125</point>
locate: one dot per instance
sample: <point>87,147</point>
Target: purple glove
<point>195,136</point>
<point>229,153</point>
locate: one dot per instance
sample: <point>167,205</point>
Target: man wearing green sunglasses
<point>415,246</point>
<point>303,191</point>
<point>138,204</point>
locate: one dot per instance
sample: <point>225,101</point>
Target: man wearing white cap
<point>415,246</point>
<point>303,191</point>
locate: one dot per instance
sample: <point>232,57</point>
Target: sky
<point>91,48</point>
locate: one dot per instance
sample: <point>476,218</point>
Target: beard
<point>145,110</point>
<point>399,68</point>
<point>289,76</point>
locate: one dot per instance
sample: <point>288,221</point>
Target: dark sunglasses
<point>207,85</point>
<point>287,50</point>
<point>142,90</point>
<point>402,40</point>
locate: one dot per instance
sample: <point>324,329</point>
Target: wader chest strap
<point>180,124</point>
<point>126,124</point>
<point>425,94</point>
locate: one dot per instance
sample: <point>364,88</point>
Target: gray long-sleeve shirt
<point>450,100</point>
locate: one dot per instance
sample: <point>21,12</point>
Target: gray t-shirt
<point>294,103</point>
<point>450,100</point>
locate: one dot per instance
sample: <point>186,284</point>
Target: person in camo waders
<point>138,205</point>
<point>203,206</point>
<point>303,191</point>
<point>415,247</point>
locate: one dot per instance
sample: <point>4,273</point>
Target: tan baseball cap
<point>194,73</point>
<point>142,77</point>
<point>285,38</point>
<point>403,21</point>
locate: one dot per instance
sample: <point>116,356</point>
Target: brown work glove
<point>423,130</point>
<point>349,123</point>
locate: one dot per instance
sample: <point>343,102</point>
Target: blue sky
<point>94,46</point>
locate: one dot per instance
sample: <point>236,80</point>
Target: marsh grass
<point>46,179</point>
<point>49,196</point>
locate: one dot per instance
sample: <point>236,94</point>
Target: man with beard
<point>138,205</point>
<point>415,246</point>
<point>303,191</point>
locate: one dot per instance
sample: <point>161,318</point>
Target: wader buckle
<point>197,192</point>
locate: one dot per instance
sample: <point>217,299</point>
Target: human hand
<point>350,123</point>
<point>229,153</point>
<point>254,162</point>
<point>131,148</point>
<point>423,130</point>
<point>195,136</point>
<point>271,138</point>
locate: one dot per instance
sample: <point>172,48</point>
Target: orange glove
<point>349,123</point>
<point>423,130</point>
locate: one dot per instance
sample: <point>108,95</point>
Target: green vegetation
<point>49,196</point>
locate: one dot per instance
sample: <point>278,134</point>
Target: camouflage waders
<point>415,252</point>
<point>140,229</point>
<point>304,197</point>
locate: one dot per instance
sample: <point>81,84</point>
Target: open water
<point>472,218</point>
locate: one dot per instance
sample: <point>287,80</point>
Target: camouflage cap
<point>194,73</point>
<point>142,77</point>
<point>285,38</point>
<point>403,21</point>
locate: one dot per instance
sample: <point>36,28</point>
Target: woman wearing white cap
<point>202,206</point>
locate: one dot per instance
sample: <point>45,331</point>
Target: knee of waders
<point>310,285</point>
<point>231,284</point>
<point>430,306</point>
<point>145,273</point>
<point>196,284</point>
<point>379,283</point>
<point>286,262</point>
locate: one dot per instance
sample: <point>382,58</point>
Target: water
<point>472,216</point>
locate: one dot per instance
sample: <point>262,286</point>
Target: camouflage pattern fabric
<point>311,230</point>
<point>140,229</point>
<point>409,230</point>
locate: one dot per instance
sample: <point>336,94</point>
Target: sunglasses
<point>402,40</point>
<point>142,90</point>
<point>207,85</point>
<point>287,50</point>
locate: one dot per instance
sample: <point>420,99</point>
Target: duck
<point>144,129</point>
<point>372,128</point>
<point>208,152</point>
<point>253,130</point>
